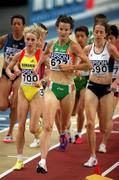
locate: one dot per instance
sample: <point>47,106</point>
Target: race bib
<point>28,77</point>
<point>58,58</point>
<point>117,90</point>
<point>116,70</point>
<point>100,68</point>
<point>10,52</point>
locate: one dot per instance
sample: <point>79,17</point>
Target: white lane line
<point>115,116</point>
<point>35,156</point>
<point>4,115</point>
<point>16,157</point>
<point>38,154</point>
<point>3,130</point>
<point>26,161</point>
<point>3,118</point>
<point>114,166</point>
<point>4,125</point>
<point>113,132</point>
<point>5,173</point>
<point>116,122</point>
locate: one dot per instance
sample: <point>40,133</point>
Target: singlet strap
<point>21,55</point>
<point>70,52</point>
<point>37,54</point>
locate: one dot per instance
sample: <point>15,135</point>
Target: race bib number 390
<point>100,68</point>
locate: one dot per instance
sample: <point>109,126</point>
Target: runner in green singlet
<point>60,92</point>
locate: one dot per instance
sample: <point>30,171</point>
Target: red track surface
<point>68,165</point>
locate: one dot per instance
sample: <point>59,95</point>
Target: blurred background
<point>46,11</point>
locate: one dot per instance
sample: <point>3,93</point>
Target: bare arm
<point>44,56</point>
<point>87,49</point>
<point>83,64</point>
<point>113,52</point>
<point>2,40</point>
<point>11,66</point>
<point>114,85</point>
<point>16,69</point>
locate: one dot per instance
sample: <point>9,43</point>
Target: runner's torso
<point>61,55</point>
<point>27,65</point>
<point>11,47</point>
<point>102,66</point>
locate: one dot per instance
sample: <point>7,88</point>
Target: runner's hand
<point>66,67</point>
<point>114,86</point>
<point>37,84</point>
<point>12,76</point>
<point>36,69</point>
<point>17,71</point>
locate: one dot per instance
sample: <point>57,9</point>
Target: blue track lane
<point>4,119</point>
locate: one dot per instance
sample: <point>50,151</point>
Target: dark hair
<point>65,19</point>
<point>82,28</point>
<point>102,24</point>
<point>113,30</point>
<point>19,17</point>
<point>43,27</point>
<point>100,18</point>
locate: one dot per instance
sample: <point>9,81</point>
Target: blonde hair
<point>34,29</point>
<point>41,33</point>
<point>39,29</point>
